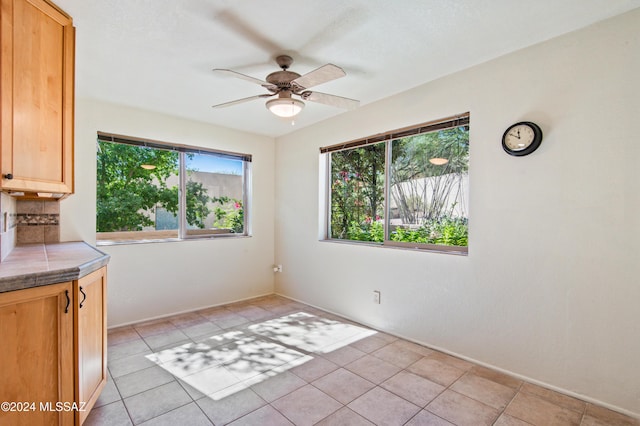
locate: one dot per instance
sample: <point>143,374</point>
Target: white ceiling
<point>158,54</point>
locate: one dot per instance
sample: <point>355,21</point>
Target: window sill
<point>106,242</point>
<point>461,251</point>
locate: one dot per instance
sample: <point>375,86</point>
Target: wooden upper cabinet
<point>37,97</point>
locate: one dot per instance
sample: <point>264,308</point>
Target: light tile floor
<point>270,361</point>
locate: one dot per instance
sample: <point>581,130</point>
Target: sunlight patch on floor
<point>311,333</point>
<point>226,363</point>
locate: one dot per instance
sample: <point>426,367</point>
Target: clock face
<point>522,138</point>
<point>519,137</point>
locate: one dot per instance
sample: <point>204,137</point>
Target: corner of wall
<point>7,224</point>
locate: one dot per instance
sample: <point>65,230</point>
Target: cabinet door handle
<point>84,296</point>
<point>8,176</point>
<point>66,308</point>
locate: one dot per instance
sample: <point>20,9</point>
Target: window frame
<point>387,138</point>
<point>182,231</point>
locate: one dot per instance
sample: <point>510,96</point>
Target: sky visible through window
<point>214,164</point>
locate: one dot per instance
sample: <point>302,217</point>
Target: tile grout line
<point>114,380</point>
<point>510,401</point>
<point>584,412</point>
<point>448,388</point>
<point>126,409</point>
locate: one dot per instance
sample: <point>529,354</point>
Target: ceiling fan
<point>285,84</point>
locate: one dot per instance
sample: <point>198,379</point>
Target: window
<point>407,188</point>
<point>148,190</point>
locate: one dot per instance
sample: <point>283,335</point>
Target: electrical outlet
<point>376,297</point>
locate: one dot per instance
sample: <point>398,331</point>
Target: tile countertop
<point>35,265</point>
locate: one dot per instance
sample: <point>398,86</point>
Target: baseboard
<point>187,311</point>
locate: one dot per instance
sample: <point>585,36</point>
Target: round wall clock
<point>522,138</point>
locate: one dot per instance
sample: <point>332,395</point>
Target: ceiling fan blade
<point>245,77</point>
<point>320,75</point>
<point>246,30</point>
<point>240,101</point>
<point>332,100</point>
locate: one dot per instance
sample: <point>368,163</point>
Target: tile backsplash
<point>27,222</point>
<point>37,221</point>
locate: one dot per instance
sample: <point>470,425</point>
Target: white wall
<point>550,288</point>
<point>151,280</point>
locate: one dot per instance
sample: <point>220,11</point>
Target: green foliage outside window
<point>229,214</point>
<point>128,194</point>
<point>426,197</point>
<point>357,192</point>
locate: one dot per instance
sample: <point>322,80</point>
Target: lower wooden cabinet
<point>36,359</point>
<point>90,339</point>
<point>53,351</point>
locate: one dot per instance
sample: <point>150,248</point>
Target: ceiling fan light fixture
<point>285,107</point>
<point>438,161</point>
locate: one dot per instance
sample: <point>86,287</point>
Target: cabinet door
<point>36,85</point>
<point>91,338</point>
<point>36,366</point>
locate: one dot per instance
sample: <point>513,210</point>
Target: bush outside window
<point>408,187</point>
<point>148,190</point>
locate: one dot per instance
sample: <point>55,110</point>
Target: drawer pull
<point>66,308</point>
<point>84,296</point>
<point>8,176</point>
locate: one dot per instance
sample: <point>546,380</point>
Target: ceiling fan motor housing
<point>282,79</point>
